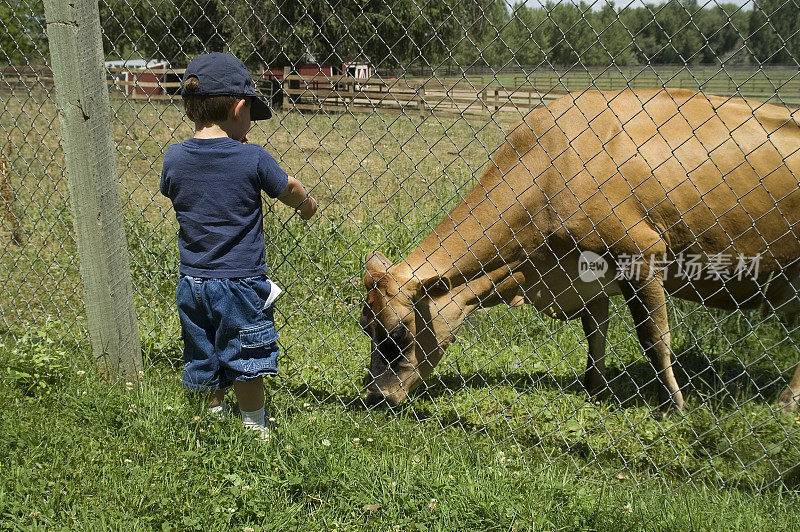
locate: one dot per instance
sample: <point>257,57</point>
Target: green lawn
<point>80,454</point>
<point>502,437</point>
<point>777,84</point>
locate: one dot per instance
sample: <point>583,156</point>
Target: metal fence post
<point>73,31</point>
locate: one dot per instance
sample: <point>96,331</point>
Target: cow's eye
<point>398,333</point>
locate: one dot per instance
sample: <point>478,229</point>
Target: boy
<point>214,181</point>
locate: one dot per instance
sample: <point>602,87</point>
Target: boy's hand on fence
<point>244,139</point>
<point>308,208</point>
<point>298,198</point>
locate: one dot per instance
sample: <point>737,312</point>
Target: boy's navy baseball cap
<point>224,74</point>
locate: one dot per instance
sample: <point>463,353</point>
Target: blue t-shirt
<point>215,186</point>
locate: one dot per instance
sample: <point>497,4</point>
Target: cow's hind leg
<point>595,325</point>
<point>784,298</point>
<point>790,397</point>
<point>644,294</point>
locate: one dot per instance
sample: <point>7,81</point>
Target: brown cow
<point>599,194</point>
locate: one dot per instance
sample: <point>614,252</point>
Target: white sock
<point>253,419</point>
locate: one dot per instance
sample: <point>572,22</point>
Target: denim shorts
<point>228,331</point>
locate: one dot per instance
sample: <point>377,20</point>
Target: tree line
<point>398,34</point>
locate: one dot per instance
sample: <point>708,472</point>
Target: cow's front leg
<point>644,294</point>
<point>790,397</point>
<point>595,325</point>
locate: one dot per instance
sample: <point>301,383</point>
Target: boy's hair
<point>204,108</point>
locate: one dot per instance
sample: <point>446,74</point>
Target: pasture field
<point>774,84</point>
<point>766,79</point>
<point>502,438</point>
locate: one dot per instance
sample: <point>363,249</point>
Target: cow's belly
<point>563,289</point>
<point>782,289</point>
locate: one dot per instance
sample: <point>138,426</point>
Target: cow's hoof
<point>595,387</point>
<point>375,399</point>
<point>788,401</point>
<point>670,413</point>
<point>671,408</point>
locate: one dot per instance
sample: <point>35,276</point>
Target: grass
<point>504,415</point>
<point>777,84</point>
<point>85,455</point>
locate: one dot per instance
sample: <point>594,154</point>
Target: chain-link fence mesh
<point>391,112</point>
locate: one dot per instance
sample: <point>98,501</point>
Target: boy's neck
<point>211,131</point>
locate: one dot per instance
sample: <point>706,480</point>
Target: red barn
<point>322,73</point>
<point>135,72</point>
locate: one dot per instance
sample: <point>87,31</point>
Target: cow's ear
<point>376,262</point>
<point>377,267</point>
<point>437,284</point>
<point>430,285</point>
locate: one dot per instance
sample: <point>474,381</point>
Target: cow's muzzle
<point>383,394</point>
<point>375,399</point>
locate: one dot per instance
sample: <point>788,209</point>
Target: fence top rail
<point>159,70</point>
<point>321,77</point>
<point>143,84</point>
<point>26,70</point>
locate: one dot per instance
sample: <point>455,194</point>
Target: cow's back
<point>702,175</point>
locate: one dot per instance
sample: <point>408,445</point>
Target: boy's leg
<point>216,398</point>
<point>201,370</point>
<point>250,394</point>
<point>216,402</point>
<point>247,344</point>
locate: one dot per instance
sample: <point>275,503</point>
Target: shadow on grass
<point>327,397</point>
<point>409,409</point>
<point>724,382</point>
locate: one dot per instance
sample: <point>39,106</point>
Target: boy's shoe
<point>262,431</point>
<point>220,411</point>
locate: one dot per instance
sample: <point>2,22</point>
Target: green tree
<point>481,25</point>
<point>614,39</point>
<point>524,35</point>
<point>570,33</point>
<point>402,33</point>
<point>388,34</point>
<point>22,33</point>
<point>175,31</point>
<point>413,32</point>
<point>666,33</point>
<point>722,27</point>
<point>567,34</point>
<point>774,30</point>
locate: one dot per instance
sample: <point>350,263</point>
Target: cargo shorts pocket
<point>259,336</point>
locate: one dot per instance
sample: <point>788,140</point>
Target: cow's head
<point>405,345</point>
<point>388,319</point>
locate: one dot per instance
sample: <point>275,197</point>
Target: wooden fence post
<point>76,52</point>
<point>8,197</point>
<point>285,86</point>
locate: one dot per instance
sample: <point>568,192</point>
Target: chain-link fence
<point>569,226</point>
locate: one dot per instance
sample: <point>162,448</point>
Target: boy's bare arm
<point>297,197</point>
